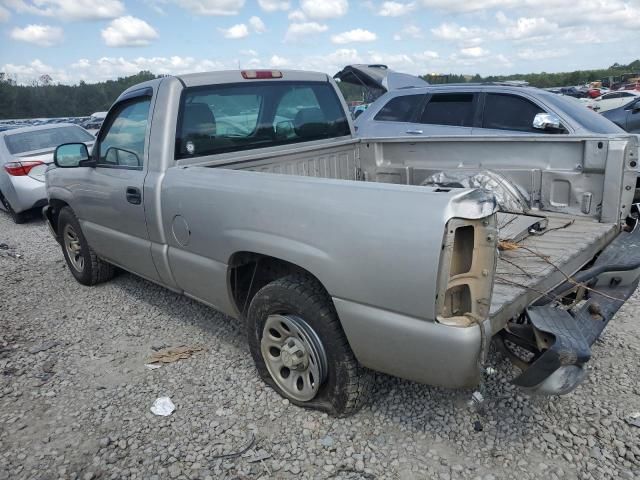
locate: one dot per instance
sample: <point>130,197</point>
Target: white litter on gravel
<point>163,406</point>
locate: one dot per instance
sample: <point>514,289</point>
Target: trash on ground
<point>152,366</point>
<point>173,354</point>
<point>163,406</point>
<point>633,419</point>
<point>4,246</point>
<point>259,456</point>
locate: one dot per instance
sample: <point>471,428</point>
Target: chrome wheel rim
<point>73,248</point>
<point>294,356</point>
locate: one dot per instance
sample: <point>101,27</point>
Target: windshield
<point>46,138</point>
<point>588,119</point>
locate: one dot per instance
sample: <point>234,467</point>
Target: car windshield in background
<point>43,139</point>
<point>225,118</point>
<point>591,121</point>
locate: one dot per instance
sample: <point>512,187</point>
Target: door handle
<point>134,195</point>
<point>414,132</point>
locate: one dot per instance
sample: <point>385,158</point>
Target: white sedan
<point>612,100</point>
<point>25,154</point>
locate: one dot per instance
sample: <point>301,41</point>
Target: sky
<point>94,40</point>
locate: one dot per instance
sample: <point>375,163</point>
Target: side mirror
<point>546,121</point>
<point>70,155</point>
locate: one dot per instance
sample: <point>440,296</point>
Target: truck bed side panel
<point>356,238</point>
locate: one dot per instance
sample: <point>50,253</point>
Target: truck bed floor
<point>533,267</point>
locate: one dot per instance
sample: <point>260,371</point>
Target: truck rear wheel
<point>86,267</point>
<point>300,349</point>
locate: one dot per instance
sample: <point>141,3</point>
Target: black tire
<point>16,217</point>
<point>94,270</point>
<point>347,383</point>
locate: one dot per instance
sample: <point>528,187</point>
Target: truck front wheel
<point>300,349</point>
<point>86,267</point>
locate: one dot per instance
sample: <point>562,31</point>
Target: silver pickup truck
<point>248,191</point>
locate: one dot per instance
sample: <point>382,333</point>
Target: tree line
<point>43,98</point>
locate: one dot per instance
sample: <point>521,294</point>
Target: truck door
<point>111,199</point>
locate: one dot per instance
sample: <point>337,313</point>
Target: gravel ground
<point>75,397</point>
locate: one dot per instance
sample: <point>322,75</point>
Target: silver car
<point>478,109</point>
<point>25,154</point>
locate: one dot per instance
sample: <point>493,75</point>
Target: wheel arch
<point>53,212</point>
<point>248,272</point>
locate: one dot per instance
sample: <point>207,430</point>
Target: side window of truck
<point>400,109</point>
<point>455,109</point>
<point>233,117</point>
<point>122,144</point>
<point>509,112</point>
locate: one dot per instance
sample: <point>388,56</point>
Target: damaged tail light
<point>468,265</point>
<point>20,169</point>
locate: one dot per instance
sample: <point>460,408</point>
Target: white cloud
<point>526,27</point>
<point>42,35</point>
<point>128,32</point>
<point>31,71</point>
<point>623,14</point>
<point>352,36</point>
<point>4,14</point>
<point>274,5</point>
<point>249,53</point>
<point>298,30</point>
<point>257,24</point>
<point>410,31</point>
<point>474,52</point>
<point>237,31</point>
<point>396,9</point>
<point>427,55</point>
<point>542,54</point>
<point>81,64</point>
<point>212,7</point>
<point>297,16</point>
<point>324,9</point>
<point>69,9</point>
<point>465,35</point>
<point>278,62</point>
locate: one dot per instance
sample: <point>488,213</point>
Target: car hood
<point>378,79</point>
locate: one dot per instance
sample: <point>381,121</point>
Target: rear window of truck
<point>226,118</point>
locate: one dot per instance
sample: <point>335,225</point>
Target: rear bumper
<point>26,193</point>
<point>564,336</point>
<point>412,348</point>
